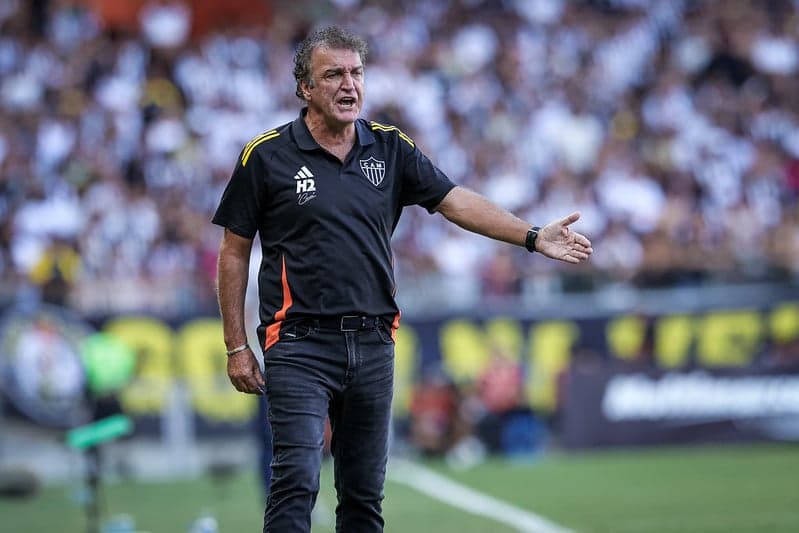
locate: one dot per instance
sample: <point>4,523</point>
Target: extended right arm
<point>232,273</point>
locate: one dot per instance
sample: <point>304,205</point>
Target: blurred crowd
<point>671,125</point>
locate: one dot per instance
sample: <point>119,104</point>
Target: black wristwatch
<point>532,235</point>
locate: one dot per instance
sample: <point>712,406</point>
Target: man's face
<point>337,91</point>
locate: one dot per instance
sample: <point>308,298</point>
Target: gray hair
<point>333,37</point>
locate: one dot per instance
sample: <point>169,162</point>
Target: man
<point>325,193</point>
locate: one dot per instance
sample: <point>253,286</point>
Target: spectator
<point>666,121</point>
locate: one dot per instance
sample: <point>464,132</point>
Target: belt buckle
<point>346,323</point>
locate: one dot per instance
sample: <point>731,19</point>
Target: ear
<point>306,90</point>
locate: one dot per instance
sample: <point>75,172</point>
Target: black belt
<point>347,322</point>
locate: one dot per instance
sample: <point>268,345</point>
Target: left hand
<point>557,241</point>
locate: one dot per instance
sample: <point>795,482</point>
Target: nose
<point>347,81</point>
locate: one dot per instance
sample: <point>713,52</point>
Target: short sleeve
<point>422,182</point>
<point>241,208</point>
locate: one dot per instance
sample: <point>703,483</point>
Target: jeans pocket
<point>295,332</point>
<point>385,334</point>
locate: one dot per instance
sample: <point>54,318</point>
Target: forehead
<point>324,57</point>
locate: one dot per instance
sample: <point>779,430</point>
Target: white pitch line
<point>448,491</point>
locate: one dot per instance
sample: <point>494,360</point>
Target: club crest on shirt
<point>374,170</point>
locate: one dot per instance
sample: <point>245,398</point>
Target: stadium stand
<point>672,124</point>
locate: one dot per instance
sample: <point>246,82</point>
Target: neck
<point>326,133</point>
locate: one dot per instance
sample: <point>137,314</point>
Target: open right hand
<point>557,241</point>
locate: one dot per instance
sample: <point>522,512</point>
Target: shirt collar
<point>305,141</point>
<point>364,134</point>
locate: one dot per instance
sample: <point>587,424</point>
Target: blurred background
<point>672,126</point>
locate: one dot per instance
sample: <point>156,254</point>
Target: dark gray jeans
<point>313,372</point>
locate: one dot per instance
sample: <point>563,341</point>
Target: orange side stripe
<point>273,329</point>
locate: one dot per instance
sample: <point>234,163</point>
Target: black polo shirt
<point>325,227</point>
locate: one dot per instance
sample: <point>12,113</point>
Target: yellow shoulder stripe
<point>257,138</point>
<point>255,142</point>
<point>383,127</point>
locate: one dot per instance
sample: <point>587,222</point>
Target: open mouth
<point>347,102</point>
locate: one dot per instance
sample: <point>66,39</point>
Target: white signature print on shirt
<point>305,197</point>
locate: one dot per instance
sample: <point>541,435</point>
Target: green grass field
<point>700,489</point>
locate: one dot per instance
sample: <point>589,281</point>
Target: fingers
<point>577,253</point>
<point>575,257</point>
<point>581,240</point>
<point>244,373</point>
<point>557,241</point>
<point>246,385</point>
<point>571,219</point>
<point>578,241</point>
<point>580,248</point>
<point>580,256</point>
